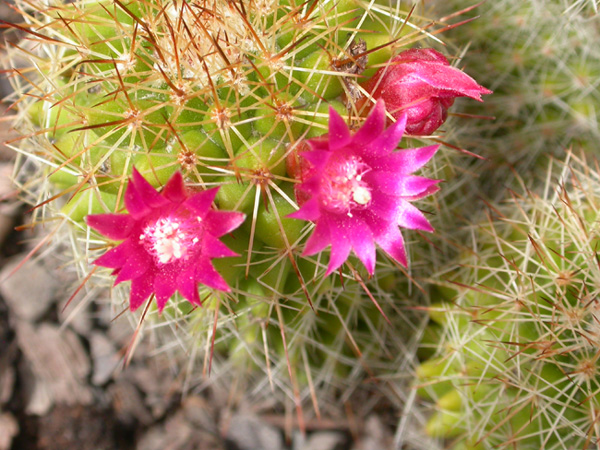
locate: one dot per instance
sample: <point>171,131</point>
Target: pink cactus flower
<point>169,239</point>
<point>421,84</point>
<point>359,190</point>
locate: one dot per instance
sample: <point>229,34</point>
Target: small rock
<point>29,291</point>
<point>176,434</point>
<point>159,384</point>
<point>78,314</point>
<point>9,428</point>
<point>179,434</point>
<point>58,360</point>
<point>248,432</point>
<point>8,352</point>
<point>7,383</point>
<point>375,436</point>
<point>120,331</point>
<point>151,378</point>
<point>128,403</point>
<point>105,359</point>
<point>10,14</point>
<point>9,207</point>
<point>76,427</point>
<point>199,413</point>
<point>37,393</point>
<point>324,440</point>
<point>7,187</point>
<point>7,133</point>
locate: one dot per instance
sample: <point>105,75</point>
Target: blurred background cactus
<point>510,357</point>
<point>539,59</point>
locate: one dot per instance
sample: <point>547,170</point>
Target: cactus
<point>510,356</point>
<point>132,108</point>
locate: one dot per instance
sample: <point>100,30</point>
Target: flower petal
<point>362,243</point>
<point>188,287</point>
<point>373,126</point>
<point>134,203</point>
<point>214,248</point>
<point>165,285</point>
<point>114,226</point>
<point>219,223</point>
<point>421,54</point>
<point>392,243</point>
<point>116,257</point>
<point>339,134</point>
<point>340,250</point>
<point>141,288</point>
<point>431,190</point>
<point>148,194</point>
<point>316,158</point>
<point>309,211</point>
<point>398,185</point>
<point>201,202</point>
<point>174,190</point>
<point>319,239</point>
<point>387,141</point>
<point>447,78</point>
<point>311,185</point>
<point>410,217</point>
<point>381,214</point>
<point>320,143</point>
<point>424,119</point>
<point>206,274</point>
<point>138,263</point>
<point>340,231</point>
<point>377,223</point>
<point>406,161</point>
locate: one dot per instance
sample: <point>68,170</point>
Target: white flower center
<point>361,195</point>
<point>343,188</point>
<point>169,239</point>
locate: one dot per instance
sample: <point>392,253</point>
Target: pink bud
<point>421,84</point>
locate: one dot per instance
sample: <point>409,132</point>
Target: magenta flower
<point>169,239</point>
<point>421,84</point>
<point>359,190</point>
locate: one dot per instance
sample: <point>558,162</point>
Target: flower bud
<point>421,84</point>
